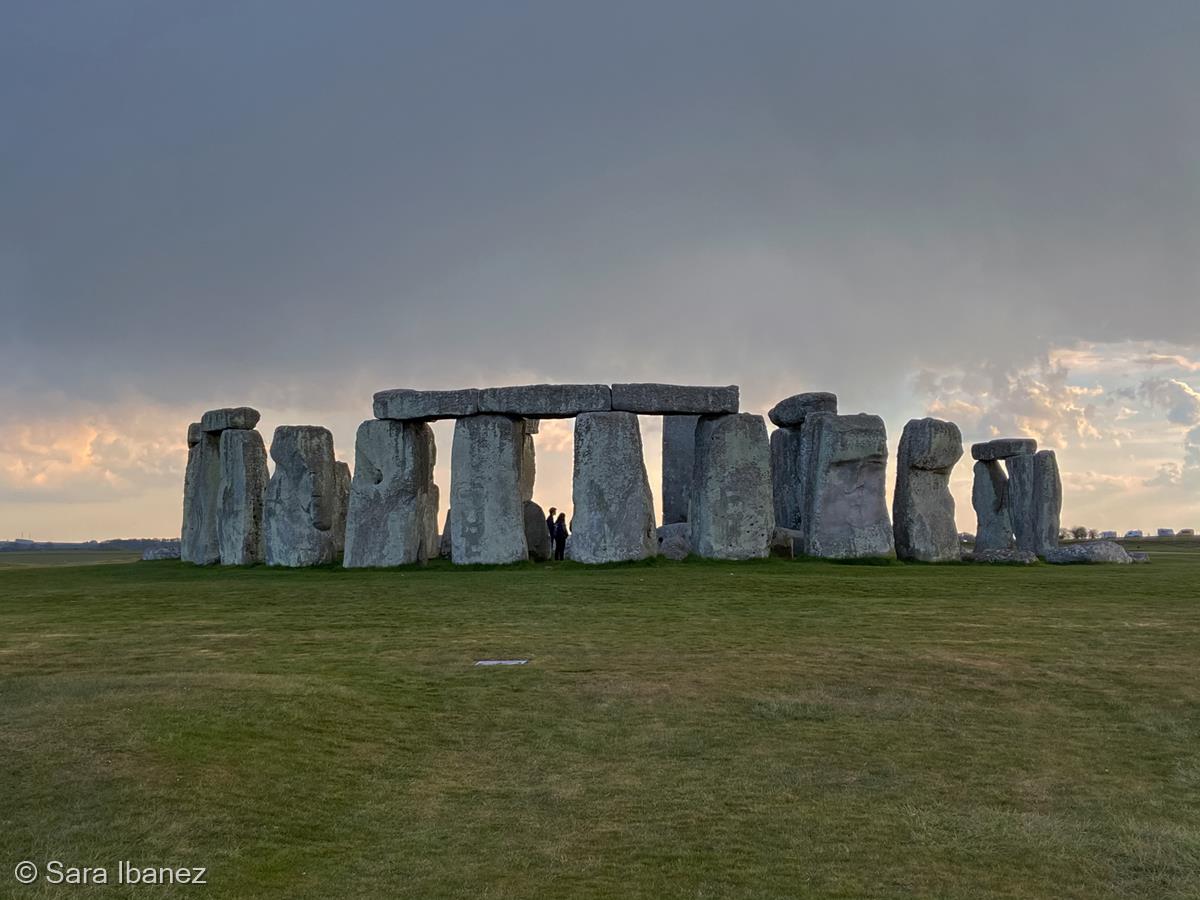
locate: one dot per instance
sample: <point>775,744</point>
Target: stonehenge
<point>815,487</point>
<point>922,507</point>
<point>614,509</point>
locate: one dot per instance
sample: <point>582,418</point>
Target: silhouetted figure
<point>560,536</point>
<point>550,524</point>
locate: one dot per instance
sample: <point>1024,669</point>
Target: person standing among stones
<point>560,536</point>
<point>550,524</point>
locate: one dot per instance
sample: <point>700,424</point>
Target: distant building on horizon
<point>1166,532</point>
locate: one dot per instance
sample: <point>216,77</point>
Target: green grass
<point>701,730</point>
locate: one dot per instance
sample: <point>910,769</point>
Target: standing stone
<point>1035,498</point>
<point>787,478</point>
<point>845,507</point>
<point>392,495</point>
<point>243,492</point>
<point>485,491</point>
<point>537,536</point>
<point>444,546</point>
<point>199,542</point>
<point>989,497</point>
<point>731,512</point>
<point>305,513</point>
<point>678,460</point>
<point>923,507</point>
<point>528,462</point>
<point>433,539</point>
<point>614,509</point>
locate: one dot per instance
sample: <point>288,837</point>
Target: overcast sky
<point>985,211</point>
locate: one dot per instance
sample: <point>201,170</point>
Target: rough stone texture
<point>537,537</point>
<point>787,482</point>
<point>488,524</point>
<point>1003,448</point>
<point>845,464</point>
<point>405,403</point>
<point>243,493</point>
<point>1019,557</point>
<point>1088,552</point>
<point>199,542</point>
<point>528,465</point>
<point>433,539</point>
<point>305,512</point>
<point>166,551</point>
<point>678,460</point>
<point>546,401</point>
<point>194,432</point>
<point>792,411</point>
<point>731,512</point>
<point>989,497</point>
<point>675,540</point>
<point>1035,500</point>
<point>533,426</point>
<point>786,542</point>
<point>392,495</point>
<point>1138,557</point>
<point>674,399</point>
<point>218,420</point>
<point>923,507</point>
<point>444,547</point>
<point>614,510</point>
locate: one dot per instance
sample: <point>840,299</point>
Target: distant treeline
<point>138,544</point>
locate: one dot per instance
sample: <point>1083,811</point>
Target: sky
<point>987,212</point>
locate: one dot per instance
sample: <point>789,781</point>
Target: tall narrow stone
<point>923,507</point>
<point>305,513</point>
<point>392,495</point>
<point>989,497</point>
<point>845,507</point>
<point>678,460</point>
<point>614,509</point>
<point>199,542</point>
<point>528,463</point>
<point>485,491</point>
<point>1035,493</point>
<point>731,512</point>
<point>537,536</point>
<point>243,492</point>
<point>787,478</point>
<point>1020,501</point>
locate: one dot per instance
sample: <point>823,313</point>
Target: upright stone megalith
<point>678,460</point>
<point>305,514</point>
<point>392,495</point>
<point>989,497</point>
<point>614,509</point>
<point>528,458</point>
<point>845,507</point>
<point>787,479</point>
<point>487,525</point>
<point>1035,500</point>
<point>199,541</point>
<point>731,512</point>
<point>923,507</point>
<point>243,492</point>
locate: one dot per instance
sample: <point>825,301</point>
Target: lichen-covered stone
<point>678,460</point>
<point>1009,556</point>
<point>923,507</point>
<point>731,512</point>
<point>989,498</point>
<point>487,525</point>
<point>1035,500</point>
<point>1088,552</point>
<point>242,497</point>
<point>613,507</point>
<point>199,541</point>
<point>305,513</point>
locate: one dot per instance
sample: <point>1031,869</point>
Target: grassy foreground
<point>701,730</point>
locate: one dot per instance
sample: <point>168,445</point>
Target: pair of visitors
<point>558,532</point>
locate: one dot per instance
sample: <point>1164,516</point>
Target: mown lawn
<point>701,730</point>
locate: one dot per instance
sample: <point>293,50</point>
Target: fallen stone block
<point>167,551</point>
<point>1088,552</point>
<point>923,507</point>
<point>1003,448</point>
<point>792,411</point>
<point>674,399</point>
<point>243,492</point>
<point>217,420</point>
<point>732,513</point>
<point>1009,556</point>
<point>488,523</point>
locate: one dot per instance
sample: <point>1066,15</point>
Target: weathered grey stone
<point>792,411</point>
<point>1006,555</point>
<point>194,432</point>
<point>528,466</point>
<point>923,507</point>
<point>787,481</point>
<point>406,403</point>
<point>731,510</point>
<point>845,464</point>
<point>243,492</point>
<point>546,401</point>
<point>786,542</point>
<point>533,426</point>
<point>1003,448</point>
<point>487,525</point>
<point>614,509</point>
<point>1088,552</point>
<point>444,548</point>
<point>675,540</point>
<point>537,536</point>
<point>433,540</point>
<point>393,502</point>
<point>989,497</point>
<point>1138,557</point>
<point>674,399</point>
<point>199,541</point>
<point>305,513</point>
<point>240,417</point>
<point>166,551</point>
<point>678,460</point>
<point>1035,500</point>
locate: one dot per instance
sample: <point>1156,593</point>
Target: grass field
<point>700,730</point>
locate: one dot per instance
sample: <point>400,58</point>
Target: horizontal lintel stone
<point>675,399</point>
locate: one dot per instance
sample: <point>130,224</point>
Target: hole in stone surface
<point>501,662</point>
